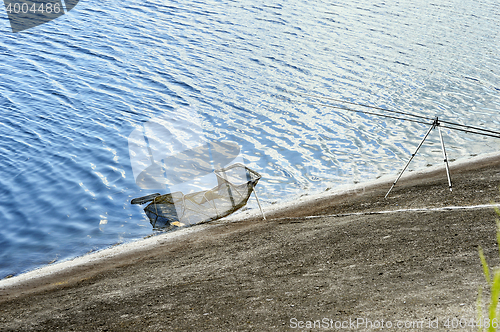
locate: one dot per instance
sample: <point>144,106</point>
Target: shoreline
<point>341,255</point>
<point>345,191</point>
<point>273,212</point>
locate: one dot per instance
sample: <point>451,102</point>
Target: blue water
<point>72,91</point>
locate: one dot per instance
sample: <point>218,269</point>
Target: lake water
<point>74,89</point>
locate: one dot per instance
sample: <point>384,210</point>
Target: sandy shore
<point>416,263</point>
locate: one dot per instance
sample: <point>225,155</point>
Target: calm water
<point>72,91</point>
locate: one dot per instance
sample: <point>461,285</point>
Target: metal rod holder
<point>444,156</point>
<point>258,202</point>
<point>434,125</point>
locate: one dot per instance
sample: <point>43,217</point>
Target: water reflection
<point>206,180</point>
<point>74,89</point>
<point>235,184</point>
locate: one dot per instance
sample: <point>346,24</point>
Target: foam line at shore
<point>134,246</point>
<point>150,243</point>
<point>361,187</point>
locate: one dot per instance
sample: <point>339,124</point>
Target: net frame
<point>235,185</point>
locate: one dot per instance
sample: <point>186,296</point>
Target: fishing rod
<point>469,131</point>
<point>363,105</point>
<point>369,113</point>
<point>472,129</point>
<point>451,125</point>
<point>436,123</point>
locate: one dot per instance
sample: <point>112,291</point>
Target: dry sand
<point>403,267</point>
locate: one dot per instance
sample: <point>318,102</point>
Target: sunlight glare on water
<point>74,89</point>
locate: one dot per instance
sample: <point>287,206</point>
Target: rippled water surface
<point>72,91</point>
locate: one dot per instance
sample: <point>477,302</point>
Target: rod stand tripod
<point>434,125</point>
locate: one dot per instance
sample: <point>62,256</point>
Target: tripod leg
<point>413,155</point>
<point>258,202</point>
<point>445,158</point>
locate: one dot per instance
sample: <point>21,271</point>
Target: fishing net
<point>235,185</point>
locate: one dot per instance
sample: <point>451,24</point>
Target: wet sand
<point>347,262</point>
